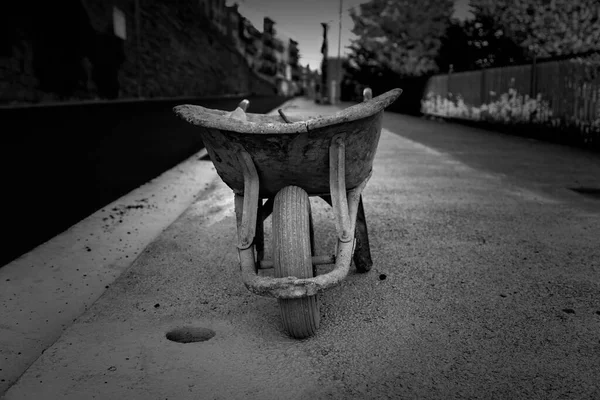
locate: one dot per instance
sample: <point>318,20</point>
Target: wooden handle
<point>244,104</point>
<point>287,121</point>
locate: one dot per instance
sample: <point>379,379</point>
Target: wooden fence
<point>562,97</point>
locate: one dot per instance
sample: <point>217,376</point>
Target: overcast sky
<point>301,21</point>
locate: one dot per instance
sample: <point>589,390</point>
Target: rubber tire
<point>292,257</point>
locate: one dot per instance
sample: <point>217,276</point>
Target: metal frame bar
<point>247,229</point>
<point>316,260</point>
<point>345,206</point>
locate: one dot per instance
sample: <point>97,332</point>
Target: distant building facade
<point>96,49</point>
<point>278,59</point>
<point>272,56</point>
<point>295,70</point>
<point>216,12</point>
<point>335,75</point>
<point>250,42</point>
<point>309,82</point>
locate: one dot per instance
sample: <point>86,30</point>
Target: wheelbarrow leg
<point>362,250</point>
<point>259,236</point>
<point>249,202</point>
<point>264,210</point>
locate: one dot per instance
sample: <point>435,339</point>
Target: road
<point>484,286</point>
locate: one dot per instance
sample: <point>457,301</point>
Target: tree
<point>480,42</point>
<point>399,36</point>
<point>546,28</point>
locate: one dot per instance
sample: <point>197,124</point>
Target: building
<point>281,57</point>
<point>293,60</point>
<point>235,27</point>
<point>216,11</point>
<point>274,57</point>
<point>96,49</point>
<point>308,82</point>
<point>334,76</point>
<point>251,42</point>
<point>281,76</point>
<point>268,59</point>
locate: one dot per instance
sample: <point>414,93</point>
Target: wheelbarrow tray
<point>295,153</point>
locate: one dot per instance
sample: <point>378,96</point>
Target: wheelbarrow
<point>273,164</point>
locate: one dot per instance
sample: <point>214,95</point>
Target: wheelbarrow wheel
<point>292,256</point>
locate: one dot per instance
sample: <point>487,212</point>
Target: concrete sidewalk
<point>45,290</point>
<point>477,291</point>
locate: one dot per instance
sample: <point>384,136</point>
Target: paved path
<point>485,285</point>
<point>547,168</point>
<point>46,289</point>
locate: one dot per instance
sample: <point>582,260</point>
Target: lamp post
<point>324,51</point>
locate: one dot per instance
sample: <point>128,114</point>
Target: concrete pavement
<point>484,286</point>
<point>46,289</point>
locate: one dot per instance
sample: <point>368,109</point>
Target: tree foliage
<point>477,43</point>
<point>546,28</point>
<point>399,36</point>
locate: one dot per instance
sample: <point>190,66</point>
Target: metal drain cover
<point>190,334</point>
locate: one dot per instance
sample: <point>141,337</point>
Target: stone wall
<point>41,58</point>
<point>60,168</point>
<point>68,51</point>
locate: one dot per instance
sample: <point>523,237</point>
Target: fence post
<point>533,79</point>
<point>451,67</point>
<point>483,89</point>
